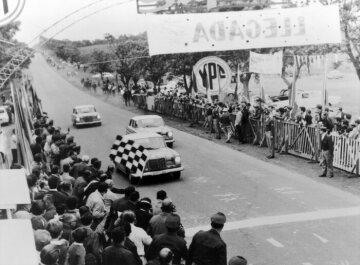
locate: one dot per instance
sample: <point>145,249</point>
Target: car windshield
<point>88,109</point>
<point>151,142</point>
<point>150,122</point>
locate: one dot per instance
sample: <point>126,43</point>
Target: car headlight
<point>98,117</point>
<point>177,160</point>
<point>77,119</point>
<point>170,134</point>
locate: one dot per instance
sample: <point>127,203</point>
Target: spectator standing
<point>96,203</point>
<point>160,197</point>
<point>207,247</point>
<point>76,252</point>
<point>169,239</point>
<point>137,234</point>
<point>13,146</point>
<point>327,152</point>
<point>121,204</point>
<point>226,124</point>
<point>55,229</point>
<point>117,254</point>
<point>165,257</point>
<point>157,222</point>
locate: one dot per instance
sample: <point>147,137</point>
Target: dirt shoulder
<point>342,180</point>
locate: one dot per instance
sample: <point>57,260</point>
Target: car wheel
<point>177,175</point>
<point>170,145</point>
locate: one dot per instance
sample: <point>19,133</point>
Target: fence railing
<point>290,137</point>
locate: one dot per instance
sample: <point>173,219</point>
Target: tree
<point>101,62</point>
<point>155,68</point>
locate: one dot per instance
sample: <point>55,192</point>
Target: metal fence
<point>290,137</point>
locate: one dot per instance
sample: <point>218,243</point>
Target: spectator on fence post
<point>327,151</point>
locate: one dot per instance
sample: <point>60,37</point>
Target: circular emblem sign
<point>212,74</point>
<point>10,10</point>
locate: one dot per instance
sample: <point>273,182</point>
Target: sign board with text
<point>213,75</point>
<point>182,33</point>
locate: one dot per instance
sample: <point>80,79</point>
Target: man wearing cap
<point>207,247</point>
<point>327,152</point>
<point>157,222</point>
<point>169,239</point>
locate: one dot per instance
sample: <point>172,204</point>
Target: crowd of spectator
<point>80,218</point>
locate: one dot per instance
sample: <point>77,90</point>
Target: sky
<point>40,14</point>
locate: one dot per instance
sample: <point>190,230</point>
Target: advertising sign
<point>10,10</point>
<point>212,74</point>
<point>182,33</point>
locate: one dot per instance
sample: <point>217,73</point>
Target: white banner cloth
<point>266,63</point>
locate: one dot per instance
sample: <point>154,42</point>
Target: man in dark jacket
<point>207,247</point>
<point>58,197</point>
<point>121,204</point>
<point>117,254</point>
<point>327,151</point>
<point>170,240</point>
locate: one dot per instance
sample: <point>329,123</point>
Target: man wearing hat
<point>169,239</point>
<point>207,247</point>
<point>327,152</point>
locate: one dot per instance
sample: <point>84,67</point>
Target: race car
<point>4,116</point>
<point>85,115</point>
<point>161,160</point>
<point>151,123</point>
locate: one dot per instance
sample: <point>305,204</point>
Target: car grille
<point>157,164</point>
<point>88,119</point>
<point>165,135</point>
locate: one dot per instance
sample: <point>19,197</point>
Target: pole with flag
<point>325,99</point>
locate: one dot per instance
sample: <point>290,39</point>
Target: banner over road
<point>243,30</point>
<point>266,63</point>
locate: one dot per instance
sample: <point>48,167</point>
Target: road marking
<point>324,240</point>
<point>275,243</point>
<point>229,197</point>
<point>306,263</point>
<point>290,192</point>
<point>282,219</point>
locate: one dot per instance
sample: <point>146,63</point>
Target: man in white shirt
<point>96,204</point>
<point>13,146</point>
<point>138,235</point>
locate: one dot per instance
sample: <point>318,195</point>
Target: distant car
<point>161,161</point>
<point>151,123</point>
<point>4,116</point>
<point>85,115</point>
<point>283,95</point>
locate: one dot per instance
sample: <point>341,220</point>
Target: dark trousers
<point>14,156</point>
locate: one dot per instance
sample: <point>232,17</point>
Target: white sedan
<point>85,115</point>
<point>151,123</point>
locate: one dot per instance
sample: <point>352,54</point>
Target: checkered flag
<point>129,154</point>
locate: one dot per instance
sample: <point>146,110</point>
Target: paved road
<point>275,216</point>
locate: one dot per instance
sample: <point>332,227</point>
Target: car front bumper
<point>87,122</point>
<point>168,141</point>
<point>160,172</point>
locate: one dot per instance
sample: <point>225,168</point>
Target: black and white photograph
<point>180,132</point>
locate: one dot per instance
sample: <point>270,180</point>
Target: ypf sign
<point>10,10</point>
<point>213,75</point>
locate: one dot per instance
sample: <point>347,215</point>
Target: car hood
<point>160,129</point>
<point>165,152</point>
